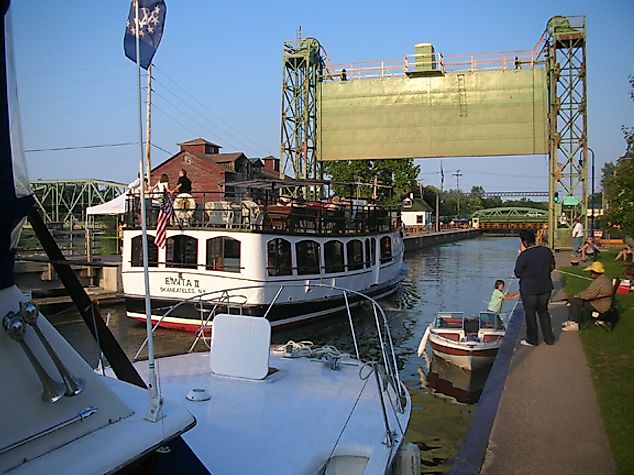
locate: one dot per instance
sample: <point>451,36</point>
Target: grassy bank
<point>611,359</point>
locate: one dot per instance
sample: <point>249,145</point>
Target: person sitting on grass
<point>498,297</point>
<point>589,248</point>
<point>596,298</point>
<point>625,252</point>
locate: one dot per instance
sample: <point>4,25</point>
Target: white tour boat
<point>466,341</point>
<point>213,245</point>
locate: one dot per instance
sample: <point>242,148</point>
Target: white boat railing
<point>230,301</point>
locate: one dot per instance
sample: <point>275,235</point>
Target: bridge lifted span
<point>430,105</point>
<point>510,218</point>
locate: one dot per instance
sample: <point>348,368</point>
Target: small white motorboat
<point>466,341</point>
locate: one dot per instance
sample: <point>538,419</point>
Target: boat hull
<point>467,355</point>
<point>189,285</point>
<point>187,316</point>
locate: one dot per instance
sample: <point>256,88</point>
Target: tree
<point>477,190</point>
<point>619,184</point>
<point>398,175</point>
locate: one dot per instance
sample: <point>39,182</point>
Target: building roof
<point>209,158</point>
<point>417,206</point>
<point>200,141</point>
<point>223,157</point>
<point>267,173</point>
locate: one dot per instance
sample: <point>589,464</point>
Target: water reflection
<point>448,380</point>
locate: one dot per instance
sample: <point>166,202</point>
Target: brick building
<point>209,169</point>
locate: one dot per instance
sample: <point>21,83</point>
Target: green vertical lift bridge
<point>428,105</point>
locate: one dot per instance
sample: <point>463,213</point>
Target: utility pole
<point>592,195</point>
<point>457,174</point>
<point>442,185</point>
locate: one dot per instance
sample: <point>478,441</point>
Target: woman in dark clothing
<point>533,267</point>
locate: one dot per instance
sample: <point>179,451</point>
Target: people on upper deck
<point>162,186</point>
<point>184,184</point>
<point>159,192</point>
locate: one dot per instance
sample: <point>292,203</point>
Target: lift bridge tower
<point>302,72</point>
<point>564,53</point>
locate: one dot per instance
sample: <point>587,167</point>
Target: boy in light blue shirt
<point>498,297</point>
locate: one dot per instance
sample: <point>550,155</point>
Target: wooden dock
<point>96,294</point>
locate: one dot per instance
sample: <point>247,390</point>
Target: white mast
<point>155,400</point>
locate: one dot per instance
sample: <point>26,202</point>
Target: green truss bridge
<point>65,201</point>
<point>510,218</point>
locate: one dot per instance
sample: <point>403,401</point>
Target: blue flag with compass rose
<point>149,28</point>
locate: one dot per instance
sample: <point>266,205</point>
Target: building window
<point>386,249</point>
<point>182,251</point>
<point>223,253</point>
<point>333,256</point>
<point>278,260</point>
<point>136,258</point>
<point>308,257</point>
<point>355,254</point>
<point>419,219</point>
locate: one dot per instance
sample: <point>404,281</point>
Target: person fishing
<point>499,296</point>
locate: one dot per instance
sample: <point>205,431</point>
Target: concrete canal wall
<point>416,242</point>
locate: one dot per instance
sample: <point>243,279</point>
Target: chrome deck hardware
<point>74,385</point>
<point>52,391</point>
<point>80,417</point>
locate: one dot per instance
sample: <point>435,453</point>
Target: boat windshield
<point>449,320</point>
<point>491,321</point>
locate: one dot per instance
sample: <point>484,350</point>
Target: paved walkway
<point>548,419</point>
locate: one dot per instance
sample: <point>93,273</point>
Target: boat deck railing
<point>287,215</point>
<point>386,368</point>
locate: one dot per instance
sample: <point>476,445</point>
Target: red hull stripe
<point>460,352</point>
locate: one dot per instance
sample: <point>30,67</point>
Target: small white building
<point>416,213</point>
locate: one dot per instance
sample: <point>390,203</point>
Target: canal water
<point>457,276</point>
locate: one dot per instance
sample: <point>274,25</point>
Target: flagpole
<point>155,401</point>
<point>148,125</point>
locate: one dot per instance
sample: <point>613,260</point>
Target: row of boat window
<point>223,254</point>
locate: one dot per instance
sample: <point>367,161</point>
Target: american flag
<point>165,213</point>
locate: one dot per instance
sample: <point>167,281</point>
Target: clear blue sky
<point>219,74</point>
